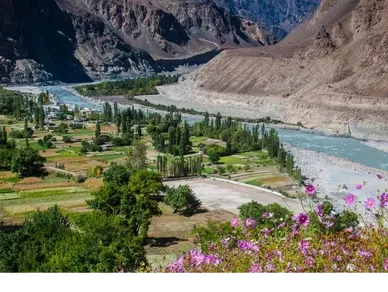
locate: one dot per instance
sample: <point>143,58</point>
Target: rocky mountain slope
<point>279,17</point>
<point>80,40</point>
<point>329,74</point>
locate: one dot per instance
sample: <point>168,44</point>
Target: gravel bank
<point>330,173</point>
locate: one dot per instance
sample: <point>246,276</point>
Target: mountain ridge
<point>329,73</point>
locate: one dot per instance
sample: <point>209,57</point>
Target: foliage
<point>95,171</point>
<point>51,242</point>
<point>182,198</point>
<point>117,174</point>
<point>136,156</point>
<point>47,141</point>
<point>131,87</point>
<point>62,128</point>
<point>144,182</point>
<point>136,209</point>
<point>268,215</point>
<point>183,166</point>
<point>27,162</point>
<point>214,157</point>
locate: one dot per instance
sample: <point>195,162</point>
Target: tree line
<point>130,87</point>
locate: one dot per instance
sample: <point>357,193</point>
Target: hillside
<point>277,17</point>
<point>330,73</point>
<point>80,40</point>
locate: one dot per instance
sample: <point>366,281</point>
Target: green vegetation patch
<point>6,191</point>
<point>131,87</point>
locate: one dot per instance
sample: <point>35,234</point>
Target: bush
<point>221,170</point>
<point>182,199</point>
<point>270,215</point>
<point>214,157</point>
<point>80,179</point>
<point>66,139</point>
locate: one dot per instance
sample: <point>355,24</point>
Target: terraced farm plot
<point>16,206</point>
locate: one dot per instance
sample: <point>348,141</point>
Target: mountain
<point>329,74</point>
<point>81,40</point>
<point>276,17</point>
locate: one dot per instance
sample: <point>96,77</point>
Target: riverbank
<point>329,174</point>
<point>380,145</point>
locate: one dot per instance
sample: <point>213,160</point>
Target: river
<point>347,148</point>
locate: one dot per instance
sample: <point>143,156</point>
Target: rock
<point>82,40</point>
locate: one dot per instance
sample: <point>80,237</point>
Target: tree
<point>214,157</point>
<point>144,182</point>
<point>27,162</point>
<point>98,130</point>
<point>182,198</point>
<point>136,156</point>
<point>117,174</point>
<point>137,209</point>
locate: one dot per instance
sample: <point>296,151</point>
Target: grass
<point>11,179</point>
<point>232,160</point>
<point>51,192</point>
<point>255,182</point>
<point>197,140</point>
<point>108,157</point>
<point>37,146</point>
<point>6,191</point>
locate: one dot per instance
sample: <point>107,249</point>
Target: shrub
<point>270,215</point>
<point>181,199</point>
<point>214,157</point>
<point>80,179</point>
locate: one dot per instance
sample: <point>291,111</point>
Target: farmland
<point>169,234</point>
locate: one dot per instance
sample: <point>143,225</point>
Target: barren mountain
<point>79,40</point>
<point>279,17</point>
<point>330,73</point>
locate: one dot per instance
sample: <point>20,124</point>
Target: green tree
<point>214,157</point>
<point>144,182</point>
<point>137,209</point>
<point>98,130</point>
<point>27,162</point>
<point>117,174</point>
<point>136,156</point>
<point>182,198</point>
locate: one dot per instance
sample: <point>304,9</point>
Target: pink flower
<point>386,264</point>
<point>265,231</point>
<point>267,215</point>
<point>349,199</point>
<point>234,222</point>
<point>176,266</point>
<point>380,176</point>
<point>364,253</point>
<point>250,223</point>
<point>310,189</point>
<point>370,203</point>
<point>310,262</point>
<point>255,268</point>
<point>320,210</point>
<point>304,245</point>
<point>359,186</point>
<point>384,200</point>
<point>303,219</point>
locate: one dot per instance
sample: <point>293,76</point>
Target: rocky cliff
<point>80,40</point>
<point>279,17</point>
<point>329,74</point>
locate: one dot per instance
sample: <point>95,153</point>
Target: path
<point>217,195</point>
<point>58,170</point>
